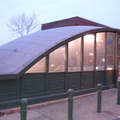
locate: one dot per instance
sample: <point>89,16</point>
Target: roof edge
<point>74,21</point>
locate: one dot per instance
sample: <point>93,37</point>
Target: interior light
<point>76,53</point>
<point>109,68</point>
<point>89,38</point>
<point>103,60</point>
<point>91,54</point>
<point>52,65</point>
<point>96,68</point>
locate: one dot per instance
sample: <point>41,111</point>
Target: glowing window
<point>57,60</point>
<point>100,51</point>
<point>39,67</point>
<point>74,53</point>
<point>88,52</point>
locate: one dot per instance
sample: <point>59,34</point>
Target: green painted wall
<point>40,87</point>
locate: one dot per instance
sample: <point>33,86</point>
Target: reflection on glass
<point>39,67</point>
<point>88,52</point>
<point>100,51</point>
<point>74,51</point>
<point>110,50</point>
<point>57,60</point>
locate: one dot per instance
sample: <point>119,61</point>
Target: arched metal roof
<point>18,54</point>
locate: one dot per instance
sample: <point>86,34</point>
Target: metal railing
<point>23,109</point>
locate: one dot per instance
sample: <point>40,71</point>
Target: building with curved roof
<point>73,53</point>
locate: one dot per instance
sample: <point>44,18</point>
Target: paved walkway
<point>85,108</point>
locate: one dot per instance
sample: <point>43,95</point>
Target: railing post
<point>99,99</point>
<point>118,94</point>
<point>70,104</point>
<point>23,110</point>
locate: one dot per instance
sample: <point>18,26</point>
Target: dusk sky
<point>106,12</point>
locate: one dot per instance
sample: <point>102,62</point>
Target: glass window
<point>74,53</point>
<point>57,60</point>
<point>38,67</point>
<point>100,51</point>
<point>110,50</point>
<point>88,52</point>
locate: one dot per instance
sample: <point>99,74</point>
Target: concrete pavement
<point>85,108</point>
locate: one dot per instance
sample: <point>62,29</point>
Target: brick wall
<point>70,22</point>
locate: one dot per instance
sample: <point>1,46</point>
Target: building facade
<point>73,53</point>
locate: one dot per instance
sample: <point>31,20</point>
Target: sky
<point>106,12</point>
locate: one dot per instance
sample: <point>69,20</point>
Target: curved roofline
<point>70,39</point>
<point>55,45</point>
